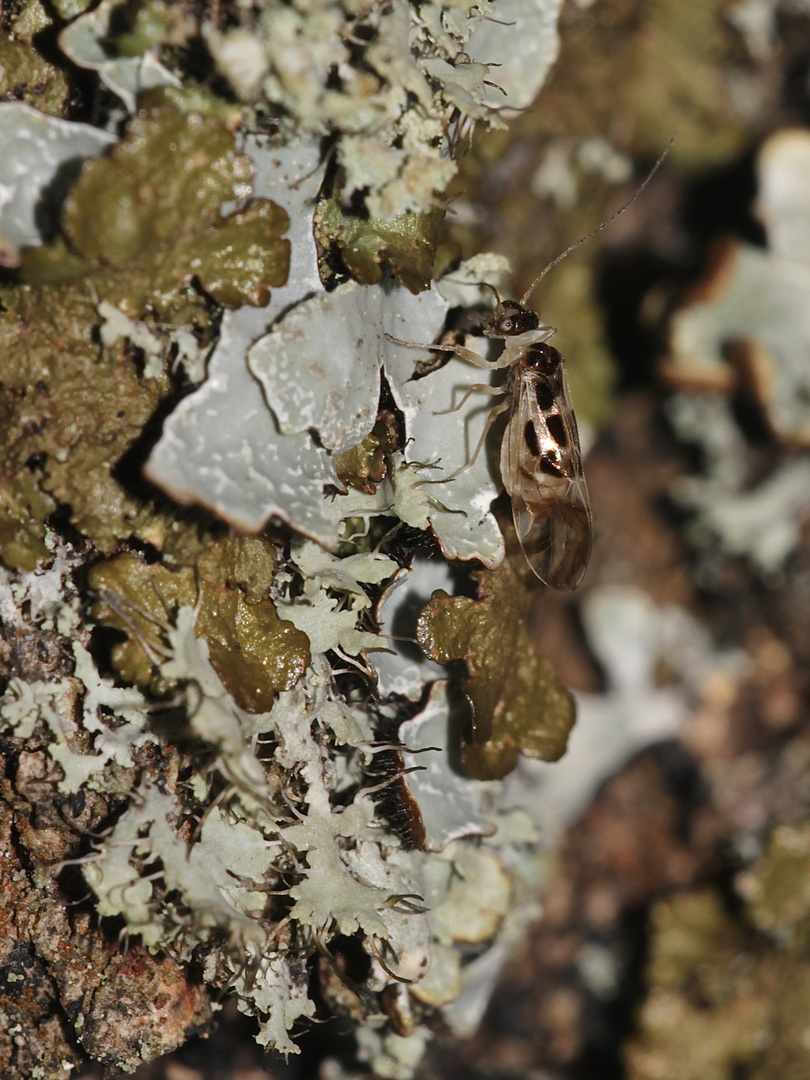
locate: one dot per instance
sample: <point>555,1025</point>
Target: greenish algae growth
<point>407,244</point>
<point>23,506</point>
<point>677,62</point>
<point>255,653</point>
<point>706,1014</point>
<point>518,705</point>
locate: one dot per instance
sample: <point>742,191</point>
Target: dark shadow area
<point>716,205</point>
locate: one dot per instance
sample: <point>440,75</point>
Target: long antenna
<point>598,228</point>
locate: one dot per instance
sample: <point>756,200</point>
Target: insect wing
<point>541,467</point>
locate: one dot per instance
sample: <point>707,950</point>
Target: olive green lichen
<point>406,243</point>
<point>144,223</point>
<point>28,19</point>
<point>137,28</point>
<point>26,76</point>
<point>518,705</point>
<point>74,408</point>
<point>196,100</point>
<point>142,230</point>
<point>23,509</point>
<point>777,888</point>
<point>254,652</point>
<point>730,990</point>
<point>365,466</point>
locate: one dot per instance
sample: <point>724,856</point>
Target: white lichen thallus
<point>541,460</point>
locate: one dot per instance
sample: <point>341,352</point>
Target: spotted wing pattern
<point>541,468</point>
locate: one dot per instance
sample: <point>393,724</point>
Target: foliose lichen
<point>211,696</point>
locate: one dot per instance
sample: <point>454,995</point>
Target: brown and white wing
<point>541,468</point>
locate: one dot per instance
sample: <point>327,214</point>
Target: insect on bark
<point>541,459</point>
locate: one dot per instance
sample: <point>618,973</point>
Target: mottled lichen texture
<point>225,496</point>
<point>729,983</point>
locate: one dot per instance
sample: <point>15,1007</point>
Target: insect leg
<point>459,350</point>
<point>477,388</point>
<point>493,415</point>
